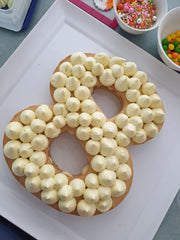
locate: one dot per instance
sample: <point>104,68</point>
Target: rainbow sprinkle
<point>137,14</point>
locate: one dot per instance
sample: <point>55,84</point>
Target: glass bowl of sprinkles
<point>139,16</point>
<point>169,39</point>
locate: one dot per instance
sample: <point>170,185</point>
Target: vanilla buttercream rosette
<point>105,182</point>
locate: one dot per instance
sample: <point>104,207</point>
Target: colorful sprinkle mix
<point>139,14</point>
<point>171,46</point>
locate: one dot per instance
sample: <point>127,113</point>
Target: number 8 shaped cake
<point>107,179</point>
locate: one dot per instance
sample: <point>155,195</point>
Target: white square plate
<point>25,81</point>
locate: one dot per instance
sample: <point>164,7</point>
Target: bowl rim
<point>136,29</point>
<point>160,40</point>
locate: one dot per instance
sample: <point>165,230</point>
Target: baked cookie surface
<point>108,177</point>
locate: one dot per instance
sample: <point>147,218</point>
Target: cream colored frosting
<point>108,146</point>
<point>39,142</point>
<point>38,158</point>
<point>65,193</point>
<point>44,113</point>
<point>38,125</point>
<point>98,163</point>
<point>102,58</point>
<point>47,184</point>
<point>60,180</point>
<point>107,178</point>
<point>11,149</point>
<point>121,120</point>
<point>67,206</point>
<point>19,165</point>
<point>85,119</point>
<point>140,136</point>
<point>122,83</point>
<point>124,172</point>
<point>51,131</point>
<point>104,205</point>
<point>92,147</point>
<point>61,95</point>
<point>122,154</point>
<point>130,68</point>
<point>132,109</point>
<point>134,83</point>
<point>155,101</point>
<point>89,80</point>
<point>148,88</point>
<point>91,195</point>
<point>82,93</point>
<point>147,115</point>
<point>132,95</point>
<point>27,134</point>
<point>158,115</point>
<point>59,121</point>
<point>142,76</point>
<point>66,68</point>
<point>118,189</point>
<point>60,109</point>
<point>72,119</point>
<point>72,83</point>
<point>33,184</point>
<point>116,60</point>
<point>104,192</point>
<point>27,116</point>
<point>83,133</point>
<point>78,70</point>
<point>89,63</point>
<point>106,78</point>
<point>85,209</point>
<point>151,129</point>
<point>88,106</point>
<point>117,70</point>
<point>85,169</point>
<point>144,101</point>
<point>96,133</point>
<point>47,171</point>
<point>98,119</point>
<point>97,69</point>
<point>91,180</point>
<point>58,79</point>
<point>31,170</point>
<point>112,163</point>
<point>78,187</point>
<point>129,130</point>
<point>78,58</point>
<point>13,130</point>
<point>73,104</point>
<point>109,130</point>
<point>49,197</point>
<point>25,150</point>
<point>122,139</point>
<point>137,121</point>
